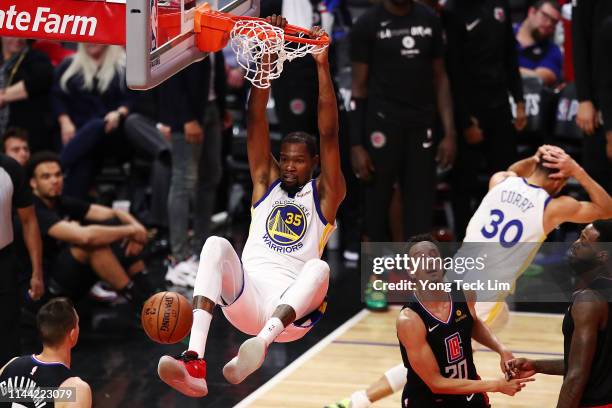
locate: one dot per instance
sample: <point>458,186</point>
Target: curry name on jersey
<point>506,231</point>
<point>286,231</point>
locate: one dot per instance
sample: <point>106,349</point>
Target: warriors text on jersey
<point>507,230</point>
<point>27,372</point>
<point>598,389</point>
<point>451,343</point>
<point>286,231</point>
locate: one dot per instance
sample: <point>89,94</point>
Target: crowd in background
<point>434,99</point>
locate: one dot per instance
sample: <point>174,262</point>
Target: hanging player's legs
<point>302,297</point>
<point>220,280</point>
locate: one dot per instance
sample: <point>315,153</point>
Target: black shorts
<point>69,277</point>
<point>455,401</point>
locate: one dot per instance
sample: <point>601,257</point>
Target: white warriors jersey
<point>286,231</point>
<point>508,227</point>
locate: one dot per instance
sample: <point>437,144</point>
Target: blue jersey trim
<point>272,186</point>
<point>315,196</point>
<point>531,185</point>
<point>37,361</point>
<point>547,201</point>
<point>239,293</point>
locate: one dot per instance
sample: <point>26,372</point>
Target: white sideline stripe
<point>251,398</point>
<point>116,1</point>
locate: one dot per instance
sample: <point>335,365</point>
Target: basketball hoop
<point>261,48</point>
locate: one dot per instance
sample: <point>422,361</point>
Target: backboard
<point>160,40</point>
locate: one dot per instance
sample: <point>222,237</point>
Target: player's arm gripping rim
<point>587,312</point>
<point>483,334</point>
<point>264,170</point>
<point>330,183</point>
<point>412,333</point>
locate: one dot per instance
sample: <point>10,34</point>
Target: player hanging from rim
<point>278,291</point>
<point>435,329</point>
<point>587,326</point>
<point>535,181</point>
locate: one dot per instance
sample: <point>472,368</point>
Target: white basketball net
<point>252,40</point>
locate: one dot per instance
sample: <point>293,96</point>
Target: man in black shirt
<point>606,85</point>
<point>399,82</point>
<point>587,326</point>
<point>483,68</point>
<point>591,59</point>
<point>77,255</point>
<point>58,328</point>
<point>15,196</point>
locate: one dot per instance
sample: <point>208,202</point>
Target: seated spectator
<point>90,100</point>
<point>538,54</point>
<point>26,76</point>
<point>77,255</point>
<point>15,145</point>
<point>150,140</point>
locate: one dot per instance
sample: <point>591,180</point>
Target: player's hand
<point>545,149</point>
<point>277,20</point>
<point>68,131</point>
<point>320,53</point>
<point>505,356</point>
<point>586,118</point>
<point>513,386</point>
<point>446,152</point>
<point>37,287</point>
<point>563,162</point>
<point>609,144</point>
<point>133,248</point>
<point>139,234</point>
<point>521,117</point>
<point>194,133</point>
<point>111,121</point>
<point>521,368</point>
<point>473,134</point>
<point>362,163</point>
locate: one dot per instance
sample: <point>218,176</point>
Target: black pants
<point>296,94</point>
<point>10,312</point>
<point>496,153</point>
<point>594,159</point>
<point>403,154</point>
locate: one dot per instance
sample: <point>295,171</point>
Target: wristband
<point>357,114</point>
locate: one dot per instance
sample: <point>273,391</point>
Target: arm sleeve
<point>58,95</point>
<point>605,86</point>
<point>361,41</point>
<point>553,60</point>
<point>515,81</point>
<point>454,67</point>
<point>75,209</point>
<point>582,50</point>
<point>37,75</point>
<point>22,195</point>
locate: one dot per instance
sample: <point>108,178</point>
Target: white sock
<point>396,377</point>
<point>199,331</point>
<point>273,328</point>
<point>359,399</point>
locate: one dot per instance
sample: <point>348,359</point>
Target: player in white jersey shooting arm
<point>520,209</point>
<point>278,291</point>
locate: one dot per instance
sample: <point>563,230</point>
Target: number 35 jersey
<point>506,230</point>
<point>286,231</point>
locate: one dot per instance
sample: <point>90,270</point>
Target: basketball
<point>166,317</point>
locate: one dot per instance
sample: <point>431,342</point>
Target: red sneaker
<point>185,373</point>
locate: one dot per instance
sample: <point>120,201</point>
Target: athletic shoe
<point>375,300</point>
<point>185,373</point>
<point>184,273</point>
<point>102,292</point>
<point>345,403</point>
<point>250,357</point>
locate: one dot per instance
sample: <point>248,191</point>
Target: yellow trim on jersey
<point>329,228</point>
<point>494,312</point>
